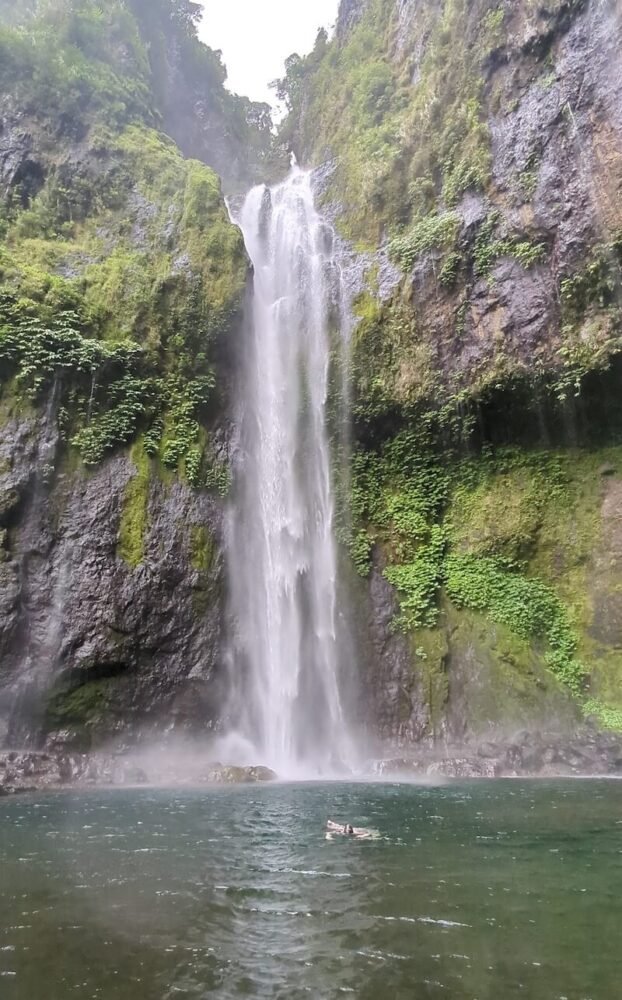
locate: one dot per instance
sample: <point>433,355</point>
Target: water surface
<point>485,891</point>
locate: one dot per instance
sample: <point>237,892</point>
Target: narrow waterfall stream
<point>290,649</point>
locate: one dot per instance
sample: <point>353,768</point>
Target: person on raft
<point>345,829</point>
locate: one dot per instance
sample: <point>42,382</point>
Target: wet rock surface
<point>221,774</point>
<point>396,702</point>
<point>528,754</point>
<point>91,647</point>
<point>26,771</point>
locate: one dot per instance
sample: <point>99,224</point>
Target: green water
<point>483,891</point>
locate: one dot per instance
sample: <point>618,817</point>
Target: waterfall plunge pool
<point>482,890</point>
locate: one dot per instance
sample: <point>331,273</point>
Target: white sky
<point>257,36</point>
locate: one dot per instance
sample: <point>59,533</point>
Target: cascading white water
<point>289,649</point>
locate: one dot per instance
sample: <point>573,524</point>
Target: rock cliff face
<point>350,13</point>
<point>121,289</point>
<point>474,173</point>
<point>478,146</point>
<point>93,648</point>
<point>493,175</point>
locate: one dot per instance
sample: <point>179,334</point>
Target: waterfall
<point>290,652</point>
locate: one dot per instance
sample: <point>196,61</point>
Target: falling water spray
<point>290,652</point>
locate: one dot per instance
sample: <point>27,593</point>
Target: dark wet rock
<point>530,754</point>
<point>396,699</point>
<point>92,648</point>
<point>17,164</point>
<point>513,761</point>
<point>26,772</point>
<point>463,767</point>
<point>400,767</point>
<point>33,771</point>
<point>226,774</point>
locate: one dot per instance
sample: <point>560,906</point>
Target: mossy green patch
<point>134,523</point>
<point>606,673</point>
<point>13,404</point>
<point>527,606</point>
<point>401,375</point>
<point>489,246</point>
<point>202,548</point>
<point>79,709</point>
<point>609,717</point>
<point>512,535</point>
<point>434,232</point>
<point>497,679</point>
<point>430,653</point>
<point>119,267</point>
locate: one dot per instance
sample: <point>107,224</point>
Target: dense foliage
<point>74,62</point>
<point>507,534</point>
<point>407,128</point>
<point>119,268</point>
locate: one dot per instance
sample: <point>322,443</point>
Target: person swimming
<point>343,829</point>
<point>347,830</point>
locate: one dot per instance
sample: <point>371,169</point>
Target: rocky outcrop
<point>22,772</point>
<point>524,157</point>
<point>398,707</point>
<point>350,13</point>
<point>220,774</point>
<point>527,754</point>
<point>486,368</point>
<point>116,340</point>
<point>93,648</point>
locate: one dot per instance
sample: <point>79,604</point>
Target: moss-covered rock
<point>79,712</point>
<point>453,129</point>
<point>498,682</point>
<point>121,285</point>
<point>134,523</point>
<point>506,563</point>
<point>120,272</point>
<point>202,548</point>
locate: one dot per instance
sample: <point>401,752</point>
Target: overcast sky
<point>256,36</point>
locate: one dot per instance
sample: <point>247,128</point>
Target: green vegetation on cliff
<point>134,521</point>
<point>404,102</point>
<point>119,269</point>
<point>402,116</point>
<point>519,536</point>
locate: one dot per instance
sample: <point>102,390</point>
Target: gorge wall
<point>471,157</point>
<point>477,149</point>
<point>121,287</point>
